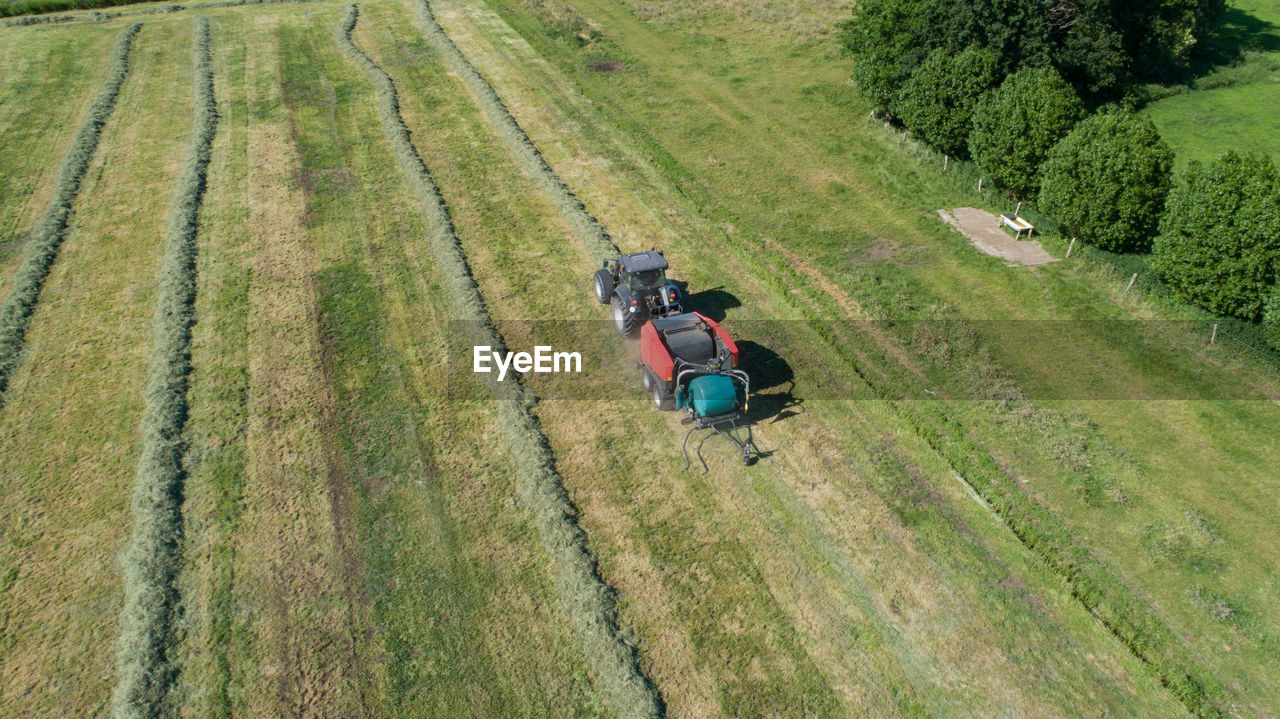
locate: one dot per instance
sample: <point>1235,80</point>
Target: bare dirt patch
<point>882,248</point>
<point>608,66</point>
<point>985,233</point>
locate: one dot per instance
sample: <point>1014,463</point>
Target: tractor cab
<point>637,287</point>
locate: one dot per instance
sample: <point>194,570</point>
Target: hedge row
<point>587,600</point>
<point>97,16</point>
<point>154,557</point>
<point>27,7</point>
<point>51,228</point>
<point>596,238</point>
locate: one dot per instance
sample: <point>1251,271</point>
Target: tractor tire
<point>663,401</point>
<point>649,382</point>
<point>604,286</point>
<point>624,320</point>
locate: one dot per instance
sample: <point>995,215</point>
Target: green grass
<point>48,84</point>
<point>217,398</point>
<point>1228,106</point>
<point>153,561</point>
<point>47,235</point>
<point>355,537</point>
<point>450,640</point>
<point>827,187</point>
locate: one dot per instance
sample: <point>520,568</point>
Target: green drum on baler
<point>713,394</point>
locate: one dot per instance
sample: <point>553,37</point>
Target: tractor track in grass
<point>1091,582</point>
<point>587,600</point>
<point>154,558</point>
<point>302,654</point>
<point>51,229</point>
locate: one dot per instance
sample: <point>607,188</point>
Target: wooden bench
<point>1017,224</point>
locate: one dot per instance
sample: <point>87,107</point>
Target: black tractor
<point>637,287</point>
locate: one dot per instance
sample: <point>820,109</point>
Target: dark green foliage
<point>885,37</point>
<point>937,101</point>
<point>51,228</point>
<point>1271,317</point>
<point>154,557</point>
<point>1160,35</point>
<point>588,602</point>
<point>1219,243</point>
<point>28,7</point>
<point>1106,181</point>
<point>1100,47</point>
<point>1016,125</point>
<point>95,16</point>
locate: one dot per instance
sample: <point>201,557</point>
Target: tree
<point>1219,242</point>
<point>937,102</point>
<point>885,39</point>
<point>1107,180</point>
<point>1015,126</point>
<point>1101,47</point>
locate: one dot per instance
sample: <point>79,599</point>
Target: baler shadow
<point>768,371</point>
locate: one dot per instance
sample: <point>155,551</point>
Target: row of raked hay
<point>153,560</point>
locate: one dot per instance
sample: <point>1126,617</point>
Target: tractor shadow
<point>713,303</point>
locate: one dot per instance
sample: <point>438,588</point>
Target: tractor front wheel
<point>604,286</point>
<point>624,320</point>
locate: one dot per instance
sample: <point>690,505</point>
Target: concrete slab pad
<point>986,234</point>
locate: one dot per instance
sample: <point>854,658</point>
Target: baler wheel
<point>663,401</point>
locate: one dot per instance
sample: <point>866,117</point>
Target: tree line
<point>1040,96</point>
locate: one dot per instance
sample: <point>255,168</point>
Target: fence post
<point>945,160</point>
<point>1131,281</point>
<point>1214,337</point>
<point>1070,247</point>
<point>979,185</point>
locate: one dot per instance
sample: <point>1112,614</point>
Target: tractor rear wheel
<point>624,320</point>
<point>604,286</point>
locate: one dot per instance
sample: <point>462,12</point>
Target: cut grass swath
<point>154,557</point>
<point>51,229</point>
<point>593,234</point>
<point>587,600</point>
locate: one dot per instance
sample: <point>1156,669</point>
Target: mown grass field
<point>359,537</point>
